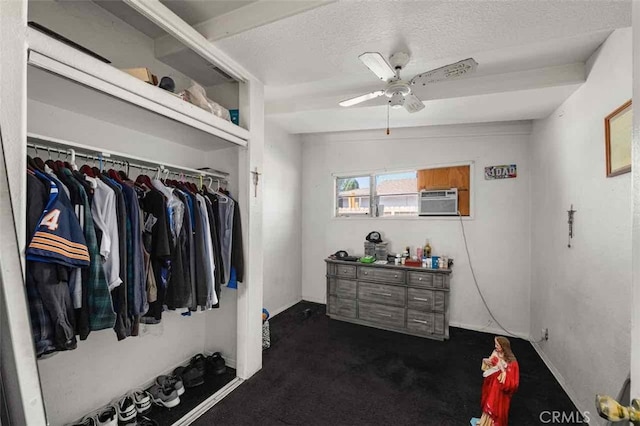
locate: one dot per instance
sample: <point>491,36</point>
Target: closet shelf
<point>64,77</point>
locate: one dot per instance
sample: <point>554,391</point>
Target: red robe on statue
<point>496,396</point>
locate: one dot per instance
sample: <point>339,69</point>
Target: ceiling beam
<point>237,21</point>
<point>321,97</point>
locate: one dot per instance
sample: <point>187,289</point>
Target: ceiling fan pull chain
<point>387,118</point>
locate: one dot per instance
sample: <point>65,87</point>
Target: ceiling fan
<point>399,91</point>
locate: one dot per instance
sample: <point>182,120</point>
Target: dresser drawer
<point>346,289</point>
<point>346,271</point>
<point>420,279</point>
<point>342,307</point>
<point>425,300</point>
<point>381,314</point>
<point>381,274</point>
<point>425,322</point>
<point>420,322</point>
<point>440,281</point>
<point>380,293</point>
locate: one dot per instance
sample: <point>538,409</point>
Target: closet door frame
<point>21,385</point>
<point>19,371</point>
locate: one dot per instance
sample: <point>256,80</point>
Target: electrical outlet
<point>545,334</point>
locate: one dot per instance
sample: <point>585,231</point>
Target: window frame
<point>374,197</point>
<point>336,190</point>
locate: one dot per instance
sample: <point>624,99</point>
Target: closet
<point>78,105</point>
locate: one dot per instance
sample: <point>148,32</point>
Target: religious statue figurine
<point>501,379</point>
<point>609,409</point>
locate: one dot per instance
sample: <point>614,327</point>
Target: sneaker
<point>126,410</point>
<point>107,416</point>
<point>164,396</point>
<point>142,400</point>
<point>171,382</point>
<point>146,421</point>
<point>190,376</point>
<point>216,365</point>
<point>200,362</point>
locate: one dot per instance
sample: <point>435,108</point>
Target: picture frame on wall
<point>618,133</point>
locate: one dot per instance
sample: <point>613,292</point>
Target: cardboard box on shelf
<point>143,74</point>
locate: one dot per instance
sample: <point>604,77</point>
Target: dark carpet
<point>325,372</point>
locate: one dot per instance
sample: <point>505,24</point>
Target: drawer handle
<point>383,315</point>
<point>345,271</point>
<point>366,273</point>
<point>395,276</point>
<point>382,294</point>
<point>422,299</point>
<point>420,279</point>
<point>420,321</point>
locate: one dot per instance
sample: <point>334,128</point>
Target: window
<point>353,196</point>
<point>396,194</point>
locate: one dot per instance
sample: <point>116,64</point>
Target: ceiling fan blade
<point>361,98</point>
<point>447,72</point>
<point>412,103</point>
<point>378,65</point>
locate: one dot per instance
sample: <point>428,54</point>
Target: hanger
<point>144,180</point>
<point>223,197</point>
<point>122,173</point>
<point>37,161</point>
<point>72,164</point>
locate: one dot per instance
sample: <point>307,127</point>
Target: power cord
<point>484,301</point>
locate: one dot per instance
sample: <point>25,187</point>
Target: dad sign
<point>500,172</point>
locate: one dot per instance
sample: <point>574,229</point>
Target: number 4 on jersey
<point>50,220</point>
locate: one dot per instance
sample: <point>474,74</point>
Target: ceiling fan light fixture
<point>396,101</point>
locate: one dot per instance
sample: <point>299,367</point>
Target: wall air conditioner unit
<point>442,202</point>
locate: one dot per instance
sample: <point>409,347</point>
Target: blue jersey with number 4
<point>58,237</point>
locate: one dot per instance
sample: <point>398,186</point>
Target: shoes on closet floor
<point>142,400</point>
<point>166,397</point>
<point>107,416</point>
<point>190,376</point>
<point>146,421</point>
<point>200,362</point>
<point>171,382</point>
<point>87,421</point>
<point>127,410</point>
<point>215,364</point>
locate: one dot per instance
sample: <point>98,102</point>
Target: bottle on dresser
<point>427,249</point>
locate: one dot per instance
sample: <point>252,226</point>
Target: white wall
<point>282,181</point>
<point>498,234</point>
<point>582,293</point>
<point>102,368</point>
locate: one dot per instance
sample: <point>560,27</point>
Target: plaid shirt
<point>101,314</point>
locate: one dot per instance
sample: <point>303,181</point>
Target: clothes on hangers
<point>107,252</point>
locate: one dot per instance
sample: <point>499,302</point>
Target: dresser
<point>405,299</point>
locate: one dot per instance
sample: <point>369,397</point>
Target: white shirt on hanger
<point>103,210</point>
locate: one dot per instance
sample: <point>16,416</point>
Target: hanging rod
<point>105,155</point>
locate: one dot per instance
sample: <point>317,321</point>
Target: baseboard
<point>314,300</point>
<point>284,308</point>
<point>560,379</point>
<point>488,329</point>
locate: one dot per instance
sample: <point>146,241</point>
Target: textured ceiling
<point>309,62</point>
<point>326,41</point>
